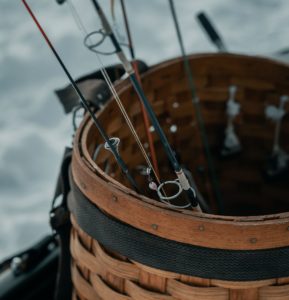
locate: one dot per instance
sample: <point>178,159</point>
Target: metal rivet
<point>154,226</point>
<point>114,198</point>
<point>17,265</point>
<point>173,128</point>
<point>253,240</point>
<point>202,228</point>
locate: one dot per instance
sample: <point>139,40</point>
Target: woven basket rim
<point>84,169</point>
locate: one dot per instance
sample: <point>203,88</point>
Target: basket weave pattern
<point>99,273</point>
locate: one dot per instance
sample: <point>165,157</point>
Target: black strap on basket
<point>169,255</point>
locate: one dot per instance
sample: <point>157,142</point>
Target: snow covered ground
<point>33,127</point>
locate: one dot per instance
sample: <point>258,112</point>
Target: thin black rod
<point>144,113</point>
<point>129,69</point>
<point>196,104</point>
<point>130,44</point>
<point>84,102</point>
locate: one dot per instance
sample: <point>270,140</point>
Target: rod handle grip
<point>60,1</point>
<point>211,31</point>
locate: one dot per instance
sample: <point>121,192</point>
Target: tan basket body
<point>256,212</point>
<point>99,274</point>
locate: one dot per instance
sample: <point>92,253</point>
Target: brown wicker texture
<point>100,274</point>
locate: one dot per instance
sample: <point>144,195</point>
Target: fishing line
<point>121,38</point>
<point>162,195</point>
<point>196,104</point>
<point>187,188</point>
<point>135,67</point>
<point>118,158</point>
<point>127,27</point>
<point>113,91</point>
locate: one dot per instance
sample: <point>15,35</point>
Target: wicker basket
<point>255,210</point>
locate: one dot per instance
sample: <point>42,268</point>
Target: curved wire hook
<point>145,171</point>
<point>166,199</point>
<point>114,142</point>
<point>92,46</point>
<point>173,182</point>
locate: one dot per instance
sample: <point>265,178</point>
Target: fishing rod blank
<point>144,114</point>
<point>130,71</point>
<point>211,31</point>
<point>106,76</point>
<point>197,108</point>
<point>110,142</point>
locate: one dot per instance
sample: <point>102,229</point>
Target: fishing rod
<point>215,37</point>
<point>159,187</point>
<point>196,104</point>
<point>152,185</point>
<point>108,81</point>
<point>127,29</point>
<point>110,143</point>
<point>135,67</point>
<point>182,178</point>
<point>211,31</point>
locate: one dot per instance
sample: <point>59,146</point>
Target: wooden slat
<point>243,284</point>
<point>104,291</point>
<point>186,292</point>
<point>274,293</point>
<point>84,258</point>
<point>138,293</point>
<point>244,294</point>
<point>115,266</point>
<point>100,262</point>
<point>158,272</point>
<point>83,288</point>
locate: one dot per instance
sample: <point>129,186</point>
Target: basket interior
<point>244,188</point>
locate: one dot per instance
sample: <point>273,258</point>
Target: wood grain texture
<point>124,280</point>
<point>231,233</point>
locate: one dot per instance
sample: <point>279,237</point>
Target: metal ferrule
<point>183,180</point>
<point>126,64</point>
